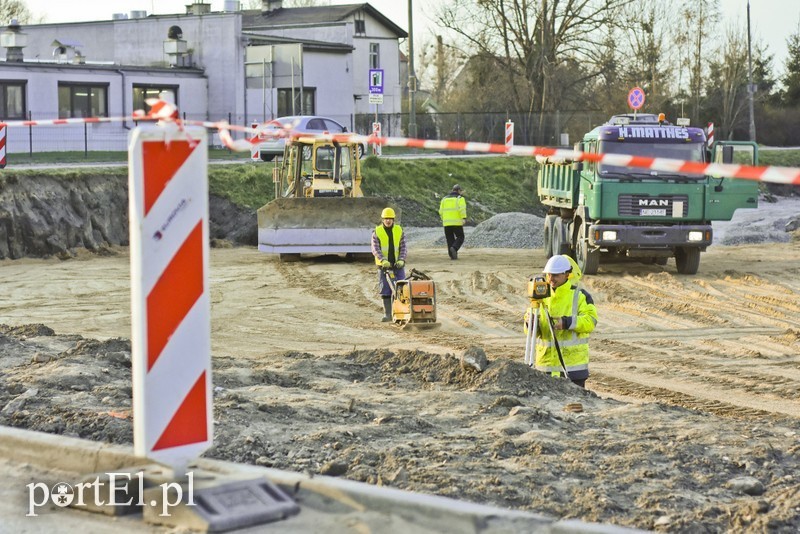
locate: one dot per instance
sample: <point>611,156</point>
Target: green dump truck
<point>604,213</point>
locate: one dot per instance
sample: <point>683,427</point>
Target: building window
<point>12,100</point>
<point>374,55</point>
<point>141,93</point>
<point>361,27</point>
<point>81,100</point>
<point>301,107</point>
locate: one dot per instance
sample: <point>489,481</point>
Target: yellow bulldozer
<point>319,207</point>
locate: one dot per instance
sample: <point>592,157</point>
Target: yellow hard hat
<point>387,213</point>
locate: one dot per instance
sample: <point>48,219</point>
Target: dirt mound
<point>46,215</point>
<point>421,421</point>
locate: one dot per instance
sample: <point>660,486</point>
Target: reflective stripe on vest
<point>566,343</point>
<point>556,369</point>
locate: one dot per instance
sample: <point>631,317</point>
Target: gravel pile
<point>772,222</point>
<point>504,230</point>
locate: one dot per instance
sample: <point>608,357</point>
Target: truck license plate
<point>653,212</point>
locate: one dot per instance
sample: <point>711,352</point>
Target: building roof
<point>255,18</point>
<point>323,46</point>
<point>101,66</point>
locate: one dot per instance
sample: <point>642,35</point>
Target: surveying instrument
<point>539,289</point>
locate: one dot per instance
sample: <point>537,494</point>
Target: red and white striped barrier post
<point>254,155</point>
<point>170,303</point>
<point>710,135</point>
<point>509,135</point>
<point>376,133</point>
<point>3,132</point>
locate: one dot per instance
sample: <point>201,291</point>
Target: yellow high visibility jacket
<point>568,300</point>
<point>383,238</point>
<point>453,210</point>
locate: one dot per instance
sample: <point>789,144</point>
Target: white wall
<point>42,99</point>
<point>215,40</point>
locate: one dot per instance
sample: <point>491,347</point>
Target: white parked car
<point>272,146</point>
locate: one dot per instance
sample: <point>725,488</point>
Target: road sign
<point>376,99</point>
<point>636,98</point>
<point>376,81</point>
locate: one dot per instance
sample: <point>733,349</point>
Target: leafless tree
<point>700,21</point>
<point>437,67</point>
<point>15,9</point>
<point>543,48</point>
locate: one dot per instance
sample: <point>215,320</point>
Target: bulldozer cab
<point>313,168</point>
<point>319,207</point>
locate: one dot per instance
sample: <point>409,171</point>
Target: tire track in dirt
<point>633,390</point>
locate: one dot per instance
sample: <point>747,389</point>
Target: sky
<point>772,21</point>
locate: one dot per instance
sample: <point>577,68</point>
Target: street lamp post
<point>750,87</point>
<point>412,78</point>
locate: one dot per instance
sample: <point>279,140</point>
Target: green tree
<point>790,96</point>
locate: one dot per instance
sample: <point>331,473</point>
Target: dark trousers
<point>384,289</point>
<point>454,236</point>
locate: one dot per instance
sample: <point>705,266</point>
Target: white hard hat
<point>557,264</point>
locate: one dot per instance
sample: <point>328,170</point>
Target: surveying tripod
<point>533,328</point>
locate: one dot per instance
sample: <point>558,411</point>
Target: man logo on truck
<point>653,202</point>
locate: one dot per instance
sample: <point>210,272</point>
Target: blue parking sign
<point>376,81</point>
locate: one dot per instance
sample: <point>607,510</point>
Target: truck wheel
<point>562,244</point>
<point>266,157</point>
<point>549,223</point>
<point>588,259</point>
<point>687,259</point>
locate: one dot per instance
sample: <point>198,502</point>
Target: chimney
<point>13,40</point>
<point>269,6</point>
<point>198,8</point>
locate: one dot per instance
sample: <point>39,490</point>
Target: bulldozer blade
<point>322,225</point>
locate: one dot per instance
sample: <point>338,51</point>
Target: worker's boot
<point>387,309</point>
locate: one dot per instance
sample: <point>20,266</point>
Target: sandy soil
<point>691,422</point>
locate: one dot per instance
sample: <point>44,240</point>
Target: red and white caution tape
<point>773,174</point>
<point>167,112</point>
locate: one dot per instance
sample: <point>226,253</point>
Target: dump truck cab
<point>608,211</point>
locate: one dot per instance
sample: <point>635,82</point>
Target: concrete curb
<point>426,512</point>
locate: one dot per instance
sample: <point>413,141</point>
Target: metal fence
<point>560,128</point>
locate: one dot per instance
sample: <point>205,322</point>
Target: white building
<point>241,66</point>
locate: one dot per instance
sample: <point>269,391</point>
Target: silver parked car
<point>273,146</point>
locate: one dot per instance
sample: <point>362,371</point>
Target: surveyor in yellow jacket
<point>574,317</point>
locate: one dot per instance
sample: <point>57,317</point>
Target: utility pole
<point>412,78</point>
<point>750,87</point>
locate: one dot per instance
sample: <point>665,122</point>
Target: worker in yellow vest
<point>389,249</point>
<point>453,211</point>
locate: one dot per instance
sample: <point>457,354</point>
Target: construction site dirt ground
<point>691,420</point>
